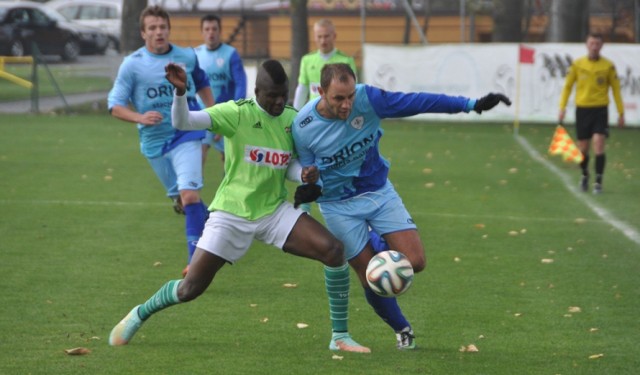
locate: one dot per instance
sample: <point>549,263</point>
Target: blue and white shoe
<point>123,332</point>
<point>406,339</point>
<point>343,342</point>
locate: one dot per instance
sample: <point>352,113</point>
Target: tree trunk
<point>507,19</point>
<point>568,21</point>
<point>130,39</point>
<point>299,41</point>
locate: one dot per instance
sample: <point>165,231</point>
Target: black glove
<point>306,194</point>
<point>489,101</point>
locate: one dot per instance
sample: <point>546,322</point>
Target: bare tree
<point>299,40</point>
<point>130,39</point>
<point>568,21</point>
<point>507,20</point>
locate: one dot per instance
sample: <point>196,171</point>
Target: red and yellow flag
<point>561,144</point>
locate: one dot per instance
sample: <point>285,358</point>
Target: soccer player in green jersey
<point>251,200</point>
<point>311,64</point>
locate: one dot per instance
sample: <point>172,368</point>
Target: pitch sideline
<point>626,229</point>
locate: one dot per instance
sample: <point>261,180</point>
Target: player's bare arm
<point>149,118</point>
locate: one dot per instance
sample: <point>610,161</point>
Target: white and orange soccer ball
<point>389,273</point>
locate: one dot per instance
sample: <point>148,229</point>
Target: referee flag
<point>561,144</point>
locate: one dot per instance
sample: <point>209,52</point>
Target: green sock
<point>337,283</point>
<point>165,297</point>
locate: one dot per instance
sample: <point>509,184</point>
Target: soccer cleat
<point>597,188</point>
<point>123,332</point>
<point>406,339</point>
<point>344,342</point>
<point>177,205</point>
<point>584,183</point>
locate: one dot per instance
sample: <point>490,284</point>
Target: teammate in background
<point>339,132</point>
<point>175,156</point>
<point>251,200</point>
<point>225,70</point>
<point>311,64</point>
<point>594,75</point>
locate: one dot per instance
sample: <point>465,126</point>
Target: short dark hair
<point>154,11</point>
<point>596,35</point>
<point>209,18</point>
<point>276,72</point>
<point>340,71</point>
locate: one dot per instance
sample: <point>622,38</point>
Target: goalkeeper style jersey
<point>346,151</point>
<point>141,81</point>
<point>592,78</point>
<point>311,66</point>
<point>258,149</point>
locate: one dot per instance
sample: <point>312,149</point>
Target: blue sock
<point>387,309</point>
<point>195,217</point>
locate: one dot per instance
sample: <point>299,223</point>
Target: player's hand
<point>306,194</point>
<point>489,101</point>
<point>621,121</point>
<point>561,115</point>
<point>176,75</point>
<point>310,175</point>
<point>150,118</point>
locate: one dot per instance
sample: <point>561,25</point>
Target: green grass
<point>70,79</point>
<point>79,249</point>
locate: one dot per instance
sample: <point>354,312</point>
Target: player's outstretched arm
<point>489,101</point>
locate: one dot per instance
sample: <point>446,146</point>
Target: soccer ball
<point>389,273</point>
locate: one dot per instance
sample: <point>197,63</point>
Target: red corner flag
<point>526,55</point>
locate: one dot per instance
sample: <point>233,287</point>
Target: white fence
<point>473,70</point>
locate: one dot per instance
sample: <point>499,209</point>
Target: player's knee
<point>419,263</point>
<point>188,291</point>
<point>334,256</point>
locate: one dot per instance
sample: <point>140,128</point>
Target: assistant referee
<point>593,75</point>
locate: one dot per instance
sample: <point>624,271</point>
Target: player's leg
<point>600,134</point>
<point>218,245</point>
<point>186,159</point>
<point>308,238</point>
<point>164,171</point>
<point>583,140</point>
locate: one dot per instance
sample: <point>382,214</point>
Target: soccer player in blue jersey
<point>223,66</point>
<point>339,132</point>
<point>142,95</point>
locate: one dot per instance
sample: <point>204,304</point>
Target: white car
<point>103,14</point>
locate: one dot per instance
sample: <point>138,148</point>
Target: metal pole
<point>462,16</point>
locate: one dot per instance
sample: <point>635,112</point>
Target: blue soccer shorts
<point>349,219</point>
<point>180,168</point>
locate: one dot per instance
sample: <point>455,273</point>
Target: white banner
<point>473,70</point>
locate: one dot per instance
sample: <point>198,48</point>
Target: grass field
<point>86,233</point>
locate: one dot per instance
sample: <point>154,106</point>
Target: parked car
<point>105,15</point>
<point>23,23</point>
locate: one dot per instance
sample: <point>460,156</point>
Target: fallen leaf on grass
<point>596,356</point>
<point>338,357</point>
<point>574,309</point>
<point>469,349</point>
<point>546,260</point>
<point>289,285</point>
<point>479,226</point>
<point>157,264</point>
<point>593,329</point>
<point>580,220</point>
<point>264,320</point>
<point>302,325</point>
<point>77,351</point>
<point>513,233</point>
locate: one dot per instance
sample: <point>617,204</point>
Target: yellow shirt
<point>593,79</point>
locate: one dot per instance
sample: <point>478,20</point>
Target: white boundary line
<point>629,231</point>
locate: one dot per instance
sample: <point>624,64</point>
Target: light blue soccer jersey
<point>141,81</point>
<point>347,151</point>
<point>226,73</point>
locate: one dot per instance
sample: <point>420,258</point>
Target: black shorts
<point>590,121</point>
